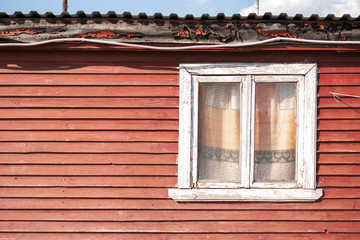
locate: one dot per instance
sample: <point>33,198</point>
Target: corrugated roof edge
<point>174,16</point>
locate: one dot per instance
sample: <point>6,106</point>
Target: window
<point>247,132</point>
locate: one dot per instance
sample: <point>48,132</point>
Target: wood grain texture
<point>90,136</point>
<point>162,204</point>
<point>87,158</point>
<point>88,147</point>
<point>81,192</point>
<point>331,124</point>
<point>88,181</point>
<point>86,91</point>
<point>86,79</point>
<point>121,55</point>
<point>335,114</point>
<point>176,215</point>
<point>339,79</point>
<point>134,193</point>
<point>339,136</point>
<point>337,67</point>
<point>181,227</point>
<point>341,193</point>
<point>339,181</point>
<point>324,91</point>
<point>339,158</point>
<point>179,236</point>
<point>88,170</point>
<point>352,147</point>
<point>341,102</point>
<point>90,67</point>
<point>351,170</point>
<point>56,124</point>
<point>161,102</point>
<point>46,113</point>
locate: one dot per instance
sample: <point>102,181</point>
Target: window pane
<point>219,132</point>
<point>275,132</point>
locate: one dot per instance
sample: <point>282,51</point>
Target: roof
<point>141,28</point>
<point>174,16</point>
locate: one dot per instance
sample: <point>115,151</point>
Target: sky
<point>183,7</point>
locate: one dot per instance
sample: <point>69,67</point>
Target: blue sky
<point>183,7</point>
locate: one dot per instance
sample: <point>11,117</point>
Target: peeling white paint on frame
<point>247,74</point>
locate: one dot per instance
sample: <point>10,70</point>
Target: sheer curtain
<point>219,132</point>
<point>275,132</point>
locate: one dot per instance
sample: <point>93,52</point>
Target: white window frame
<point>247,74</point>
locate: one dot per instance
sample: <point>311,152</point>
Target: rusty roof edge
<point>174,16</point>
<point>23,29</point>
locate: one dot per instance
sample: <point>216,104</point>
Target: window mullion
<point>245,131</point>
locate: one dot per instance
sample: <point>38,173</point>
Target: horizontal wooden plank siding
<point>180,215</point>
<point>89,103</point>
<point>86,158</point>
<point>179,236</point>
<point>65,170</point>
<point>90,113</point>
<point>89,145</point>
<point>181,227</point>
<point>91,181</point>
<point>94,136</point>
<point>338,131</point>
<point>206,236</point>
<point>72,80</point>
<point>104,124</point>
<point>86,91</point>
<point>163,204</point>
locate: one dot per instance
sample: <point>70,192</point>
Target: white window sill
<point>245,195</point>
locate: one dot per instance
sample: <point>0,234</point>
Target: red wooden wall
<point>89,144</point>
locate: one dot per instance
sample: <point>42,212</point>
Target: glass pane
<point>275,132</point>
<point>219,132</point>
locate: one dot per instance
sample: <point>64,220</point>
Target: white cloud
<point>306,7</point>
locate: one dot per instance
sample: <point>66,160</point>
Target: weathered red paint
<point>200,31</point>
<point>77,148</point>
<point>184,33</point>
<point>105,34</point>
<point>276,34</point>
<point>16,32</point>
<point>180,31</point>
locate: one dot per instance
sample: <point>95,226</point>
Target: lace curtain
<point>275,132</point>
<point>219,132</point>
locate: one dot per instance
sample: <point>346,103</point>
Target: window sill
<point>245,195</point>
